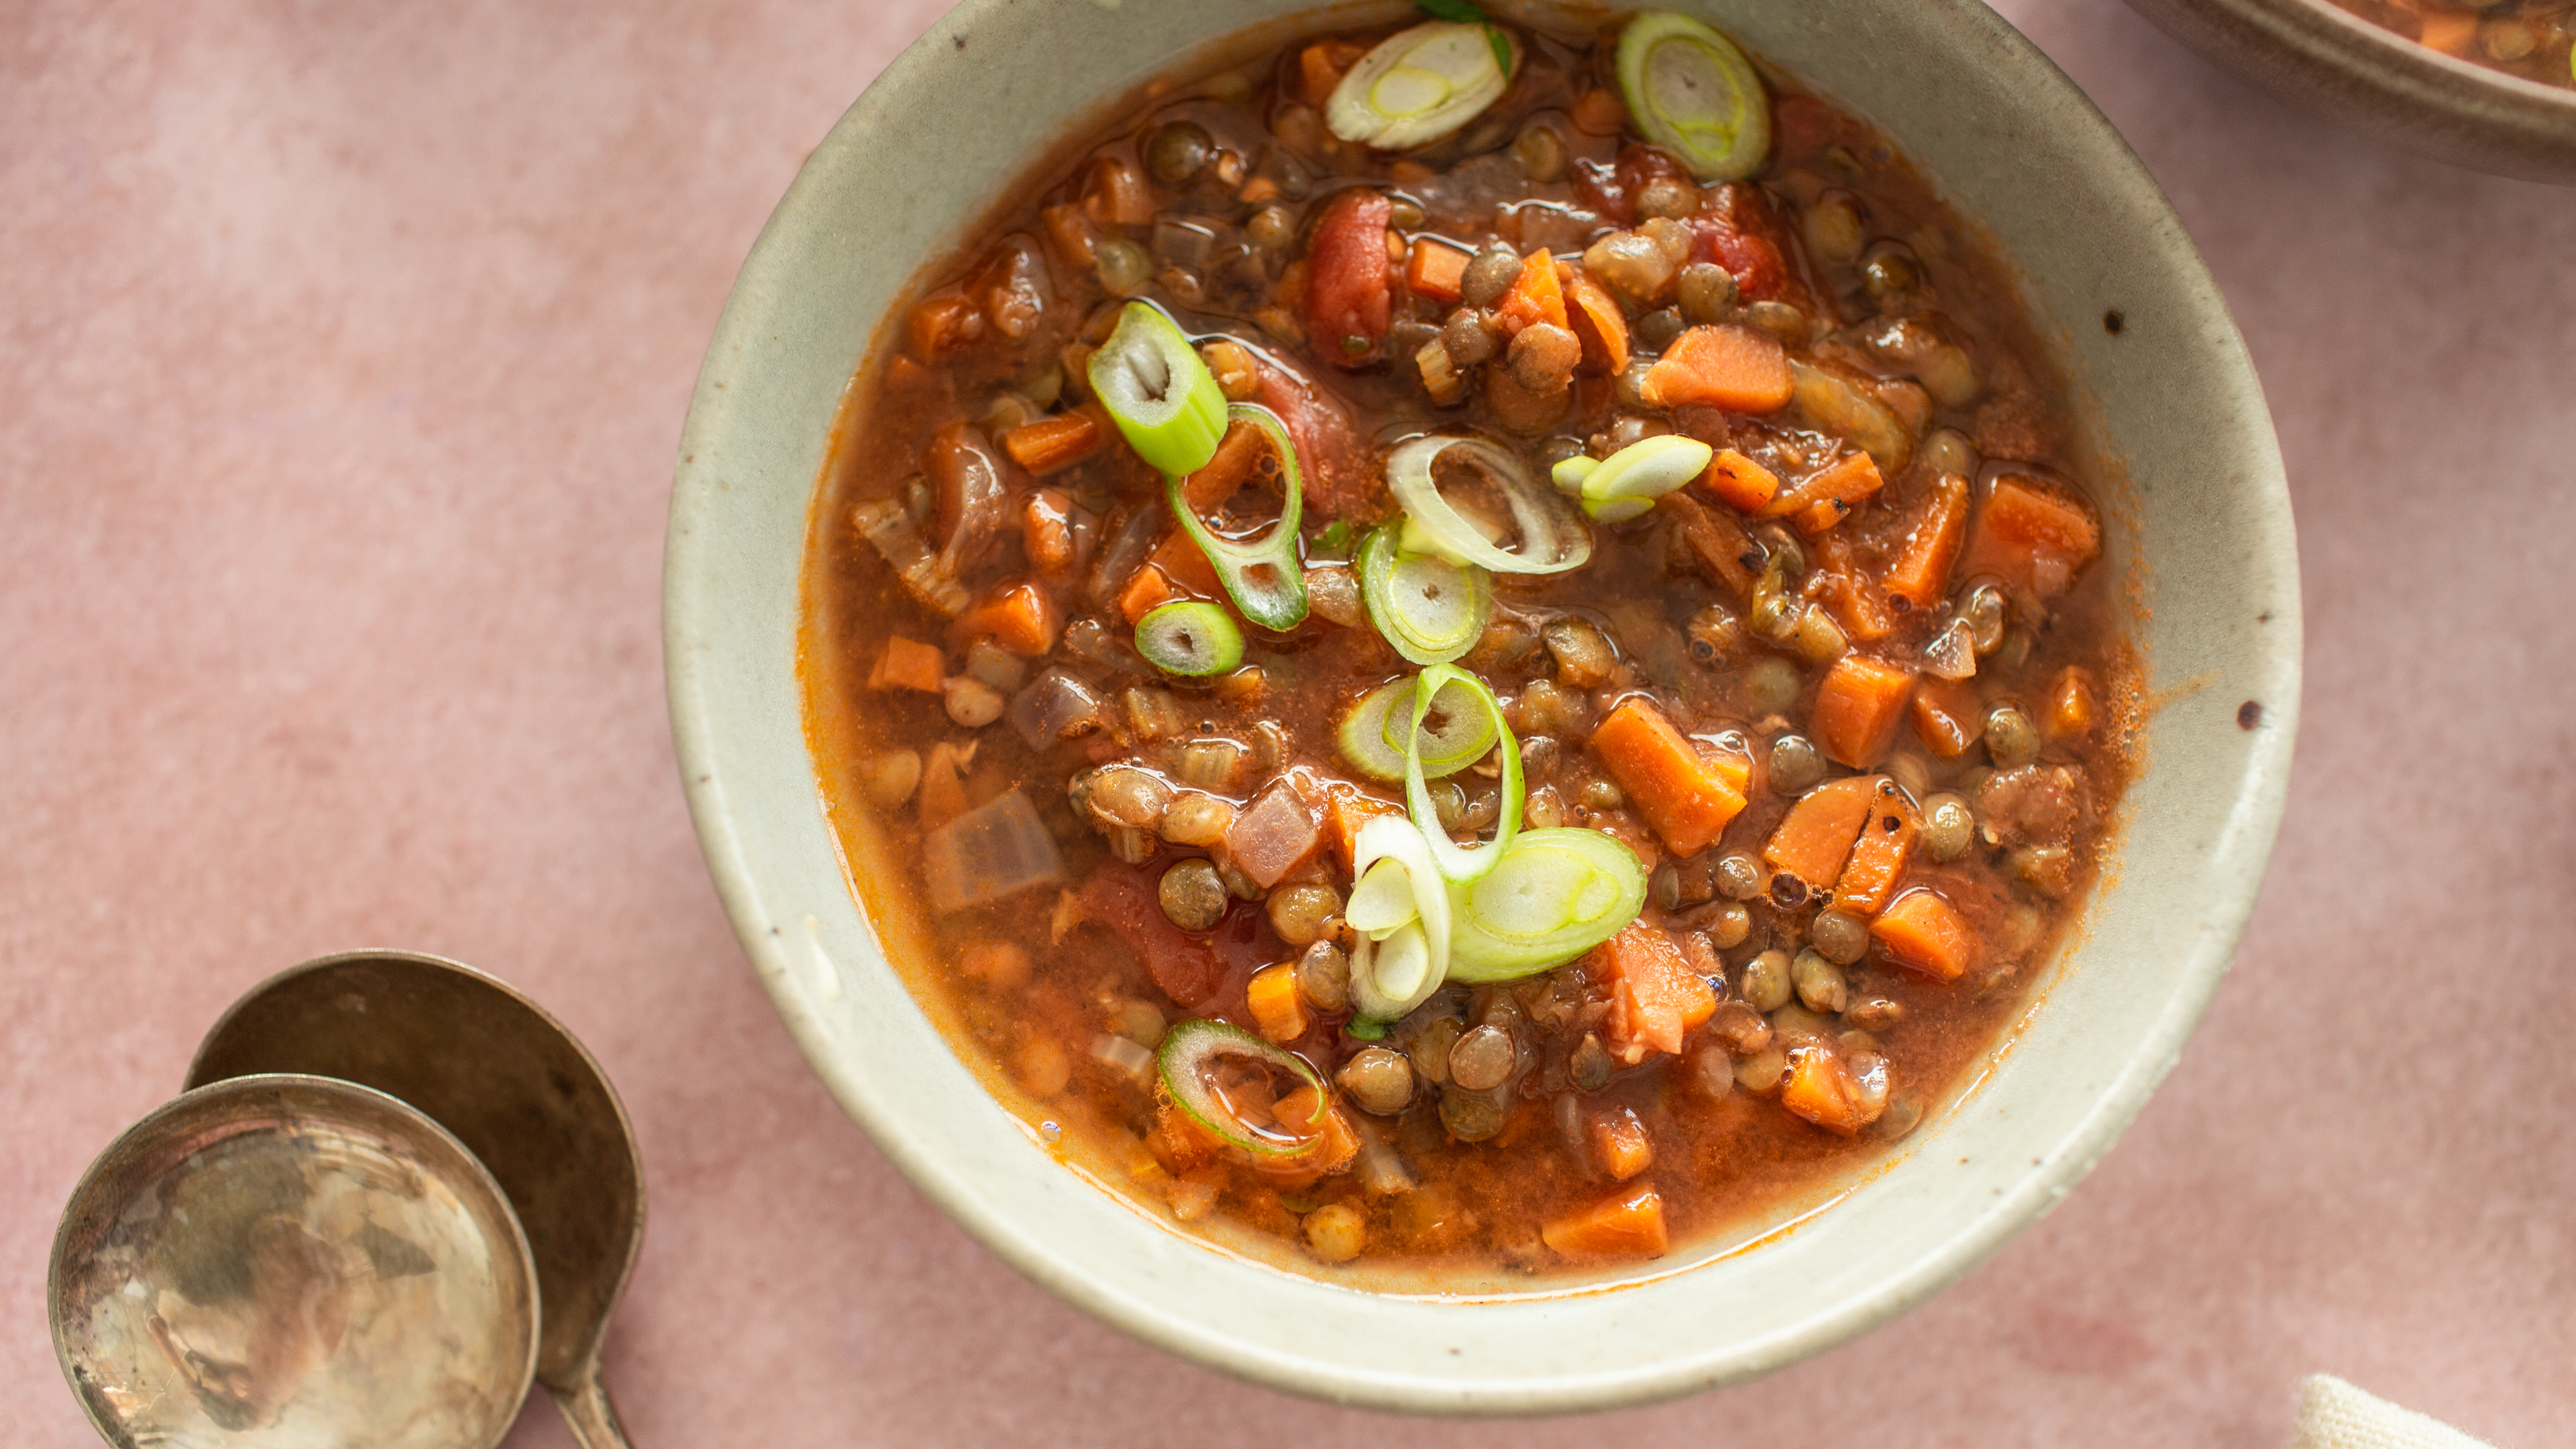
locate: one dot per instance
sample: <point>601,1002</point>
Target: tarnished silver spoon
<point>293,1262</point>
<point>515,1087</point>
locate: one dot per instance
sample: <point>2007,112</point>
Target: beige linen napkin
<point>2335,1415</point>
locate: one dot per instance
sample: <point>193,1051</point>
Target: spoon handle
<point>586,1410</point>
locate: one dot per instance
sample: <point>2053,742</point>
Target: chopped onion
<point>1261,575</point>
<point>1054,708</point>
<point>1190,637</point>
<point>1554,895</point>
<point>1553,539</point>
<point>1162,397</point>
<point>1628,482</point>
<point>1694,94</point>
<point>1422,84</point>
<point>1194,1046</point>
<point>1373,741</point>
<point>1952,654</point>
<point>991,851</point>
<point>1430,609</point>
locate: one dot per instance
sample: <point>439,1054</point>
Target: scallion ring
<point>1628,482</point>
<point>1458,865</point>
<point>1422,84</point>
<point>1430,609</point>
<point>1694,94</point>
<point>1393,976</point>
<point>1190,637</point>
<point>1372,734</point>
<point>1552,538</point>
<point>1262,575</point>
<point>1192,1048</point>
<point>1160,394</point>
<point>1552,896</point>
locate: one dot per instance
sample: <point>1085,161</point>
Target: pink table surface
<point>346,352</point>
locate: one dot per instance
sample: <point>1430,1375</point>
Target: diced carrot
<point>1070,236</point>
<point>909,664</point>
<point>1739,482</point>
<point>1277,1010</point>
<point>1664,775</point>
<point>1047,533</point>
<point>1847,479</point>
<point>1238,456</point>
<point>1814,839</point>
<point>1858,708</point>
<point>1599,324</point>
<point>1620,1144</point>
<point>1879,854</point>
<point>1176,569</point>
<point>1334,1145</point>
<point>1924,931</point>
<point>1920,571</point>
<point>1115,193</point>
<point>1320,67</point>
<point>1714,538</point>
<point>1737,769</point>
<point>1630,1224</point>
<point>1655,996</point>
<point>2451,32</point>
<point>1055,442</point>
<point>2032,536</point>
<point>1146,590</point>
<point>2069,715</point>
<point>942,796</point>
<point>1735,368</point>
<point>1179,1143</point>
<point>1946,716</point>
<point>1435,269</point>
<point>1021,617</point>
<point>1850,593</point>
<point>1820,1088</point>
<point>1345,811</point>
<point>1534,297</point>
<point>941,323</point>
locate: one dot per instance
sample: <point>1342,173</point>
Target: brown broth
<point>1722,1166</point>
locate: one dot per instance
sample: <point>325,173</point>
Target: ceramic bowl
<point>2166,389</point>
<point>2383,84</point>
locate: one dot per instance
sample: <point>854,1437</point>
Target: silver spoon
<point>514,1086</point>
<point>282,1261</point>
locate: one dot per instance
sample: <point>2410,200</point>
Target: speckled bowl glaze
<point>2204,532</point>
<point>2383,84</point>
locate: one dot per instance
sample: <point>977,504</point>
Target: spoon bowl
<point>278,1261</point>
<point>513,1085</point>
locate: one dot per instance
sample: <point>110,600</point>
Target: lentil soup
<point>1468,650</point>
<point>2534,39</point>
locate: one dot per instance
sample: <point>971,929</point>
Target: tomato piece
<point>1123,899</point>
<point>1349,292</point>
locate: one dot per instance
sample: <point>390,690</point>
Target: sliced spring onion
<point>1193,1047</point>
<point>1569,473</point>
<point>1163,398</point>
<point>1382,900</point>
<point>1694,94</point>
<point>1552,896</point>
<point>1552,540</point>
<point>1372,736</point>
<point>1262,575</point>
<point>1421,84</point>
<point>1430,609</point>
<point>1457,864</point>
<point>1393,976</point>
<point>1393,841</point>
<point>1191,637</point>
<point>1628,482</point>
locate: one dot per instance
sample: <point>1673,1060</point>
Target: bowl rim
<point>2251,819</point>
<point>2385,85</point>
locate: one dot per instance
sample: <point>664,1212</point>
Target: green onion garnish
<point>1194,1047</point>
<point>1430,609</point>
<point>1458,865</point>
<point>1628,482</point>
<point>1422,84</point>
<point>1163,398</point>
<point>1190,637</point>
<point>1261,575</point>
<point>1552,538</point>
<point>1694,94</point>
<point>1553,896</point>
<point>1372,735</point>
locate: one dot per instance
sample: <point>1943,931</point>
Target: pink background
<point>346,348</point>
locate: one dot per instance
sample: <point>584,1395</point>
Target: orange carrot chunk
<point>1815,837</point>
<point>1858,708</point>
<point>1334,1143</point>
<point>1878,856</point>
<point>1655,996</point>
<point>1921,569</point>
<point>1535,297</point>
<point>1735,368</point>
<point>1599,324</point>
<point>1846,480</point>
<point>1435,269</point>
<point>1945,716</point>
<point>2069,715</point>
<point>1820,1088</point>
<point>1620,1143</point>
<point>1021,617</point>
<point>1345,811</point>
<point>2452,32</point>
<point>2033,536</point>
<point>1924,931</point>
<point>1277,1010</point>
<point>1683,797</point>
<point>1047,444</point>
<point>1739,482</point>
<point>909,664</point>
<point>1631,1224</point>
